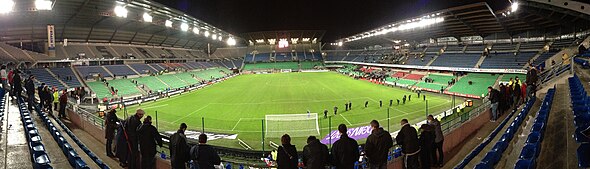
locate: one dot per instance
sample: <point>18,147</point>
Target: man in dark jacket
<point>438,140</point>
<point>494,99</point>
<point>30,87</point>
<point>16,84</point>
<point>377,146</point>
<point>408,138</point>
<point>345,151</point>
<point>207,157</point>
<point>41,95</point>
<point>148,138</point>
<point>110,127</point>
<point>426,142</point>
<point>531,80</point>
<point>131,128</point>
<point>315,154</point>
<point>287,154</point>
<point>179,149</point>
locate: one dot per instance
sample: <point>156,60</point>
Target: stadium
<point>82,63</point>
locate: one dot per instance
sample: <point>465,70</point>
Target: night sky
<point>339,18</point>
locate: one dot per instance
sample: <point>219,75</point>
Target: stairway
<point>107,70</point>
<point>136,72</point>
<point>480,61</point>
<point>431,60</point>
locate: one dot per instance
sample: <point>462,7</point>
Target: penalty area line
<point>232,129</point>
<point>346,119</point>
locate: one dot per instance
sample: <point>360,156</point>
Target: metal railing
<point>456,121</point>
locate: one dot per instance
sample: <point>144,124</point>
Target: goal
<point>296,125</point>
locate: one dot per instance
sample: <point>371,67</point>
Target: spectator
<point>516,92</point>
<point>41,96</point>
<point>426,142</point>
<point>531,79</point>
<point>55,100</point>
<point>4,77</point>
<point>287,154</point>
<point>408,138</point>
<point>315,154</point>
<point>111,121</point>
<point>345,151</point>
<point>204,155</point>
<point>30,87</point>
<point>377,146</point>
<point>16,83</point>
<point>63,102</point>
<point>122,150</point>
<point>438,141</point>
<point>494,98</point>
<point>46,94</point>
<point>133,124</point>
<point>179,149</point>
<point>149,137</point>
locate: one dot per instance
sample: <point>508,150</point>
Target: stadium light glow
<point>259,40</point>
<point>231,41</point>
<point>7,6</point>
<point>214,37</point>
<point>206,34</point>
<point>121,11</point>
<point>340,43</point>
<point>184,27</point>
<point>514,7</point>
<point>168,23</point>
<point>196,30</point>
<point>406,25</point>
<point>219,37</point>
<point>272,41</point>
<point>147,17</point>
<point>43,4</point>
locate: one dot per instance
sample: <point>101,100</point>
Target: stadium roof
<point>474,20</point>
<point>97,21</point>
<point>302,36</point>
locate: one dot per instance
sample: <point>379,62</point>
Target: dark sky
<point>340,18</point>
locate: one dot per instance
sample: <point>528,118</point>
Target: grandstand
<point>180,69</point>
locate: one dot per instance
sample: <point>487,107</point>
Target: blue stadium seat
<point>491,158</point>
<point>500,146</point>
<point>482,166</point>
<point>534,138</point>
<point>537,127</point>
<point>583,153</point>
<point>524,164</point>
<point>529,151</point>
<point>80,164</point>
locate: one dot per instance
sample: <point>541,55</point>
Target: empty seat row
<point>482,145</point>
<point>39,156</point>
<point>493,156</point>
<point>86,150</point>
<point>530,151</point>
<point>581,110</point>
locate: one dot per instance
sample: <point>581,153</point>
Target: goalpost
<point>296,125</point>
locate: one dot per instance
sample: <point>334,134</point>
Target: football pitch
<point>239,105</point>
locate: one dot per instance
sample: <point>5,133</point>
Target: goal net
<point>296,125</point>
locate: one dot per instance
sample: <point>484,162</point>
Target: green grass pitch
<point>238,105</point>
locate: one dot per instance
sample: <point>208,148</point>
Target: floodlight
<point>7,6</point>
<point>214,37</point>
<point>514,6</point>
<point>196,30</point>
<point>231,41</point>
<point>147,17</point>
<point>43,4</point>
<point>184,27</point>
<point>120,11</point>
<point>168,23</point>
<point>340,43</point>
<point>219,37</point>
<point>206,33</point>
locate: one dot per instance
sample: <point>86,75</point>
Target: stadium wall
<point>98,134</point>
